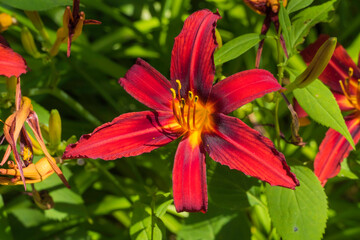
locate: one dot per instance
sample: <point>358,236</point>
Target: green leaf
<point>5,229</point>
<point>229,189</point>
<point>346,171</point>
<point>162,203</point>
<point>296,5</point>
<point>36,5</point>
<point>301,213</point>
<point>306,19</point>
<point>215,224</point>
<point>144,226</point>
<point>286,27</point>
<point>236,47</point>
<point>318,101</point>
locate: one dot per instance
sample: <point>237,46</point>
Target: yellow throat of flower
<point>189,111</point>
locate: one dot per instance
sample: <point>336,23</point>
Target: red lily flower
<point>341,75</point>
<point>189,106</point>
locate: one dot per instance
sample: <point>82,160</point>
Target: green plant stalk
<point>277,101</point>
<point>38,24</point>
<point>63,96</point>
<point>111,178</point>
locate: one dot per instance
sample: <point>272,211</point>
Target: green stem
<point>63,96</point>
<point>153,214</point>
<point>111,178</point>
<point>277,101</point>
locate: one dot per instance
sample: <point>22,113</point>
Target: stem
<point>38,24</point>
<point>277,101</point>
<point>111,178</point>
<point>153,214</point>
<point>63,96</point>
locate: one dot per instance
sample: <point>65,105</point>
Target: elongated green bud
<point>244,110</point>
<point>11,85</point>
<point>54,128</point>
<point>218,38</point>
<point>316,67</point>
<point>28,43</point>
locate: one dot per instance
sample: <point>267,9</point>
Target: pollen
<point>188,111</point>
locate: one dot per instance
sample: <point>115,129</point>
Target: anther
<point>173,93</point>
<point>191,95</point>
<point>350,72</point>
<point>196,98</point>
<point>179,88</point>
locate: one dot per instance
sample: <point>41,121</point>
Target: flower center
<point>188,110</point>
<point>351,90</point>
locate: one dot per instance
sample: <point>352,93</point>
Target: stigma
<point>187,110</point>
<point>351,89</point>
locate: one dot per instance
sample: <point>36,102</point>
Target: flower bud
<point>54,128</point>
<point>43,199</point>
<point>218,39</point>
<point>36,146</point>
<point>5,21</point>
<point>45,132</point>
<point>316,67</point>
<point>244,110</point>
<point>28,43</point>
<point>11,85</point>
<point>269,97</point>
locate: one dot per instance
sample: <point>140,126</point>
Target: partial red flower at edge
<point>11,63</point>
<point>190,107</point>
<point>341,75</point>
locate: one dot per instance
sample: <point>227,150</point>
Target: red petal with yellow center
<point>192,59</point>
<point>129,134</point>
<point>338,67</point>
<point>240,147</point>
<point>189,176</point>
<point>242,88</point>
<point>11,63</point>
<point>148,86</point>
<point>334,148</point>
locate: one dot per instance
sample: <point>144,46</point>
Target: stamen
<point>194,111</point>
<point>173,93</point>
<point>190,98</point>
<point>350,72</point>
<point>345,92</point>
<point>179,88</point>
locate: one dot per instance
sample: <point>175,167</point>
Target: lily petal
<point>148,86</point>
<point>338,67</point>
<point>192,59</point>
<point>11,63</point>
<point>334,148</point>
<point>129,134</point>
<point>189,176</point>
<point>241,88</point>
<point>240,147</point>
